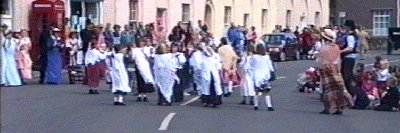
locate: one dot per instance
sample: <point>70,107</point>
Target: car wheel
<point>297,56</point>
<point>282,56</point>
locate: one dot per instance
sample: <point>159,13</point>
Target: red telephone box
<point>44,13</point>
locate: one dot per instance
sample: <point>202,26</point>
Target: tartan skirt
<point>335,94</point>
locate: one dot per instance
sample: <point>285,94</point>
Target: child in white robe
<point>211,67</point>
<point>261,67</point>
<point>144,74</point>
<point>247,84</point>
<point>120,80</point>
<point>164,75</point>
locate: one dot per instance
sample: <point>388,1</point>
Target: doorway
<point>162,18</point>
<point>208,17</point>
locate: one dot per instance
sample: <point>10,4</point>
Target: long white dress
<point>261,67</point>
<point>165,74</point>
<point>211,67</point>
<point>247,85</point>
<point>119,75</point>
<point>9,72</point>
<point>195,62</point>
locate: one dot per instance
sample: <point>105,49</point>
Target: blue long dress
<point>9,71</point>
<point>53,74</point>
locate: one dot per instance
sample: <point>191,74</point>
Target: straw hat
<point>329,34</point>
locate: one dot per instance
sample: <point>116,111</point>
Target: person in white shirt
<point>261,68</point>
<point>383,74</point>
<point>120,81</point>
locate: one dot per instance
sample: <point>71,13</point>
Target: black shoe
<point>95,92</point>
<point>139,99</point>
<point>324,112</point>
<point>115,103</point>
<point>271,109</point>
<point>159,104</point>
<point>243,102</point>
<point>145,99</point>
<point>91,91</point>
<point>227,94</point>
<point>255,108</point>
<point>214,106</point>
<point>338,112</point>
<point>121,104</point>
<point>251,102</point>
<point>168,104</point>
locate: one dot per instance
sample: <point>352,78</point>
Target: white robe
<point>261,67</point>
<point>119,75</point>
<point>211,66</point>
<point>164,74</point>
<point>247,85</point>
<point>195,62</point>
<point>143,65</point>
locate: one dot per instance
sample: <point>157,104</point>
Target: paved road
<point>69,109</point>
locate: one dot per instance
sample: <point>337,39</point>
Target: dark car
<point>282,46</point>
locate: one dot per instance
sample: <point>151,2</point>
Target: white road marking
<point>389,62</point>
<point>190,101</point>
<point>281,77</point>
<point>165,123</point>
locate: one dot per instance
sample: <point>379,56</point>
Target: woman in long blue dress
<point>9,72</point>
<point>53,74</point>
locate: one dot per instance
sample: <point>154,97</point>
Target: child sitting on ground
<point>390,97</point>
<point>383,74</point>
<point>308,81</point>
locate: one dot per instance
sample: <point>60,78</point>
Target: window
<point>228,14</point>
<point>264,19</point>
<point>288,18</point>
<point>133,10</point>
<point>246,20</point>
<point>381,22</point>
<point>92,11</point>
<point>5,7</point>
<point>185,13</point>
<point>317,19</point>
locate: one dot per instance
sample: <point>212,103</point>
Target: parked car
<point>281,47</point>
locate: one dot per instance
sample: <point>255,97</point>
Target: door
<point>161,17</point>
<point>208,17</point>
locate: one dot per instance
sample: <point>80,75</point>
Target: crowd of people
<point>144,59</point>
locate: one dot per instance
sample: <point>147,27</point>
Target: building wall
<point>20,14</point>
<point>117,12</point>
<point>362,13</point>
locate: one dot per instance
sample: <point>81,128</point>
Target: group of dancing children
<point>170,70</point>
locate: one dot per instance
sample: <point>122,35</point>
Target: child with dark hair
<point>119,75</point>
<point>94,60</point>
<point>390,97</point>
<point>261,66</point>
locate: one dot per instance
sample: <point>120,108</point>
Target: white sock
<point>120,98</point>
<point>230,86</point>
<point>115,99</point>
<point>268,101</point>
<point>225,87</point>
<point>256,100</point>
<point>144,95</point>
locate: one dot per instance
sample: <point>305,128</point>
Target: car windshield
<point>273,39</point>
<point>277,40</point>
